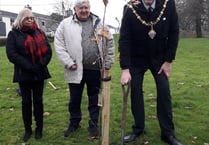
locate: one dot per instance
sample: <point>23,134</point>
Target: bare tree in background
<point>63,7</point>
<point>62,10</point>
<point>193,15</point>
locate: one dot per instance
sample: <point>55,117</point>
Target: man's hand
<point>73,67</point>
<point>125,77</point>
<point>166,68</point>
<point>105,2</point>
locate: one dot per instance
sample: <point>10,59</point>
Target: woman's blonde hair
<point>18,23</point>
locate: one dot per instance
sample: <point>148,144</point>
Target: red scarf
<point>35,43</point>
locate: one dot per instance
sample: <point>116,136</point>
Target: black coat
<point>136,47</point>
<point>24,68</point>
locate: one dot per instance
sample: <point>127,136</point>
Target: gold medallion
<point>152,33</point>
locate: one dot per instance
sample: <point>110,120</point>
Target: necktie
<point>150,9</point>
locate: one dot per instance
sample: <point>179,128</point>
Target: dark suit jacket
<point>137,48</point>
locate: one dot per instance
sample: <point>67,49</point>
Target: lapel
<point>159,4</point>
<point>141,7</point>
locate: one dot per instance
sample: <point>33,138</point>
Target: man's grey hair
<point>79,2</point>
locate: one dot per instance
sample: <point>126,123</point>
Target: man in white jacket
<point>84,46</point>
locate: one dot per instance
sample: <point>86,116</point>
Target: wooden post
<point>105,108</point>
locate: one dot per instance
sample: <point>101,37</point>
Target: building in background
<point>7,19</point>
<point>47,23</point>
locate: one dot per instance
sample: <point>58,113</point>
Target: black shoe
<point>131,137</point>
<point>93,129</point>
<point>171,140</point>
<point>38,134</point>
<point>27,136</point>
<point>70,130</point>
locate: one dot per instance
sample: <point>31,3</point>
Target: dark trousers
<point>164,108</point>
<point>92,79</point>
<point>32,92</point>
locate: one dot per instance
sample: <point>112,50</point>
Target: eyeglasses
<point>27,18</point>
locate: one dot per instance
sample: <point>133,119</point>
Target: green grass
<point>190,97</point>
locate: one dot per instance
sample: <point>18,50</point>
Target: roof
<point>7,14</point>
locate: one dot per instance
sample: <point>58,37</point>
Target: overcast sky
<point>113,10</point>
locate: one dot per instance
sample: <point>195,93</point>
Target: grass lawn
<point>190,98</point>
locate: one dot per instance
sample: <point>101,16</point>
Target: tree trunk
<point>198,27</point>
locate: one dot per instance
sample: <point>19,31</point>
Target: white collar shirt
<point>148,6</point>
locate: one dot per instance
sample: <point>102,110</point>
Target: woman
<point>29,50</point>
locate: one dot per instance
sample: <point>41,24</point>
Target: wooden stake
<point>105,109</point>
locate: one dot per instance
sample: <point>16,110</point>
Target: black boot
<point>27,119</point>
<point>28,133</point>
<point>39,128</point>
<point>38,113</point>
<point>38,133</point>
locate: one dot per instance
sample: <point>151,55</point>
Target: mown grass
<point>190,97</point>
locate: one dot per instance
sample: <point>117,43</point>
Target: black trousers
<point>32,94</point>
<point>92,79</point>
<point>164,108</point>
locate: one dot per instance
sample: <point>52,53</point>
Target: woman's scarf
<point>35,43</point>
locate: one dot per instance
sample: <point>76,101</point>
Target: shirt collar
<point>152,5</point>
